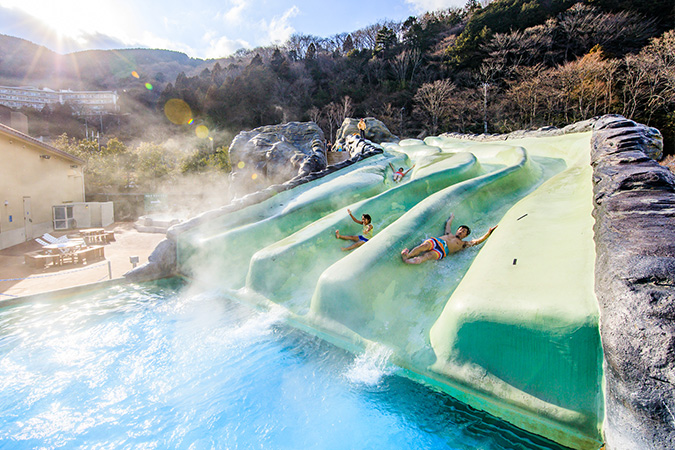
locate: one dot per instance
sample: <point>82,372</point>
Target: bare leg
<point>428,256</point>
<point>353,246</point>
<point>346,238</point>
<point>423,247</point>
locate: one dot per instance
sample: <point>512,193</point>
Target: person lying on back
<point>438,248</point>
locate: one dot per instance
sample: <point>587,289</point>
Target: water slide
<point>509,326</point>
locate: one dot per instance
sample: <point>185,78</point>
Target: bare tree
<point>366,38</point>
<point>525,95</point>
<point>649,78</point>
<point>346,107</point>
<point>332,113</point>
<point>486,75</point>
<point>299,44</point>
<point>584,27</point>
<point>314,114</point>
<point>408,61</point>
<point>336,42</point>
<point>432,100</point>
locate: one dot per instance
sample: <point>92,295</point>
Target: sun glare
<point>75,19</point>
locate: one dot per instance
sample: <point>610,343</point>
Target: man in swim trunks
<point>360,239</point>
<point>440,247</point>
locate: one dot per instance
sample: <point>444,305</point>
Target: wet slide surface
<point>509,326</point>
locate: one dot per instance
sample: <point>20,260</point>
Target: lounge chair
<point>49,238</point>
<point>41,242</point>
<point>52,240</point>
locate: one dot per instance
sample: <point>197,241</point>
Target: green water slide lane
<point>228,249</point>
<point>372,292</point>
<point>308,252</point>
<point>522,325</point>
<point>509,327</point>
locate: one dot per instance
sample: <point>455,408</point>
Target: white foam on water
<point>370,366</point>
<point>259,325</point>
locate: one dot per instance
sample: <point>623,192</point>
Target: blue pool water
<point>157,367</point>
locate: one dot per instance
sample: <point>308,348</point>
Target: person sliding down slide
<point>440,247</point>
<point>360,239</point>
<point>399,174</point>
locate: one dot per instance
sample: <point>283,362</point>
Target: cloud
<point>220,47</point>
<point>279,29</point>
<point>96,41</point>
<point>15,22</point>
<point>421,6</point>
<point>235,14</point>
<point>151,40</point>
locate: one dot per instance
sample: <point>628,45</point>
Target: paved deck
<point>18,279</point>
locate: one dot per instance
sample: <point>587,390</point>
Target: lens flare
<point>148,86</point>
<point>241,164</point>
<point>254,176</point>
<point>134,74</point>
<point>177,111</point>
<point>202,132</point>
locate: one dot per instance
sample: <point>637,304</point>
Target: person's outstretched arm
<point>406,172</point>
<point>448,224</point>
<point>482,238</point>
<point>354,218</point>
<point>392,167</point>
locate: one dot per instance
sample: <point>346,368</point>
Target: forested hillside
<point>514,64</point>
<point>508,65</point>
<point>488,67</point>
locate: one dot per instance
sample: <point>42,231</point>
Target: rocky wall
<point>635,279</point>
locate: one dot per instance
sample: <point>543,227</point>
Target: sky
<point>200,28</point>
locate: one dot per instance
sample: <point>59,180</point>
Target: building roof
<point>4,129</point>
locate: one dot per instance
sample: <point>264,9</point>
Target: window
<point>63,217</point>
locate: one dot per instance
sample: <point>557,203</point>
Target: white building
<point>81,101</point>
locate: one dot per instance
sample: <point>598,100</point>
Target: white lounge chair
<point>41,242</point>
<point>53,240</point>
<point>49,238</point>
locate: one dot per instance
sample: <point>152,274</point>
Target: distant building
<point>82,102</point>
<point>41,189</point>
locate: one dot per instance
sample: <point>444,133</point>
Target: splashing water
<point>370,366</point>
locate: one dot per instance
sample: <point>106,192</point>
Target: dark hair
<point>400,169</point>
<point>367,216</point>
<point>468,230</point>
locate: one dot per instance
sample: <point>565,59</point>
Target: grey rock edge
<point>635,284</point>
<point>635,270</point>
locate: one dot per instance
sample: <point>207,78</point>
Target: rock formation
<point>161,263</point>
<point>274,154</point>
<point>358,147</point>
<point>635,280</point>
<point>376,131</point>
